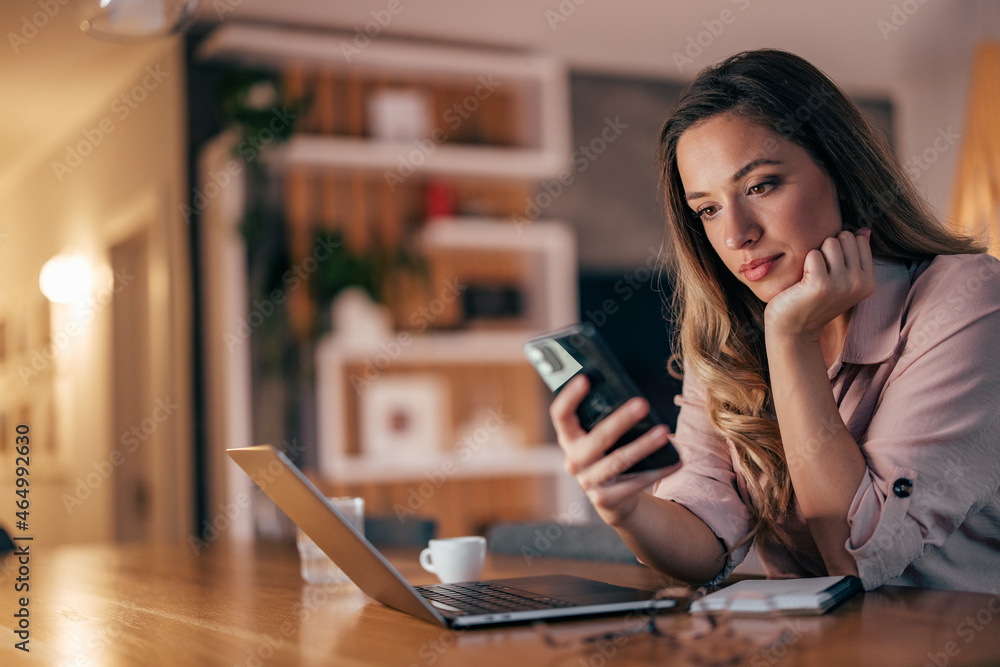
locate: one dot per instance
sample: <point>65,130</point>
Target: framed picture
<point>404,416</point>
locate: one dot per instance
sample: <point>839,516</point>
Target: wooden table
<point>245,605</point>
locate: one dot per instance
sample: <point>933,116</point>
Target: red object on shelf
<point>439,200</point>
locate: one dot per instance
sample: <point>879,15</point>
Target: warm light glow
<point>975,207</point>
<point>65,278</point>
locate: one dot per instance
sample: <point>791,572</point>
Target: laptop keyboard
<point>487,598</point>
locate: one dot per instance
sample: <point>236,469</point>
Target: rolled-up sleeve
<point>933,444</point>
<point>706,483</point>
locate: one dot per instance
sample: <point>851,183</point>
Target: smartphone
<point>561,355</point>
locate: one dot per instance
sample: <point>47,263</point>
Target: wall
<point>931,116</point>
<point>121,170</point>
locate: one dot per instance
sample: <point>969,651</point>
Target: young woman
<point>841,401</point>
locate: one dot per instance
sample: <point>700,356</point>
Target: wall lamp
<point>65,278</point>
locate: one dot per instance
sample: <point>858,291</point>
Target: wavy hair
<point>720,321</point>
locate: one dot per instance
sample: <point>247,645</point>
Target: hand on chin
<point>835,278</point>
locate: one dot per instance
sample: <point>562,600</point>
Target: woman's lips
<point>758,268</point>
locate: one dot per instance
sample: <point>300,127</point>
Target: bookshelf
<point>496,125</point>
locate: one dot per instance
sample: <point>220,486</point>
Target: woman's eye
<point>706,213</point>
<point>760,188</point>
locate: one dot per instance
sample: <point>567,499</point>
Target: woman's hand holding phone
<point>599,472</point>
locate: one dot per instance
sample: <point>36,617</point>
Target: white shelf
<point>539,460</point>
<point>269,46</point>
<point>540,82</point>
<point>444,347</point>
<point>428,158</point>
<point>548,236</point>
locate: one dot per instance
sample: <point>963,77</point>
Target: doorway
<point>133,423</point>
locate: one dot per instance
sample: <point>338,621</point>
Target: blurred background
<point>332,226</point>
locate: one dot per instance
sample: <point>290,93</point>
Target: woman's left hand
<point>835,278</point>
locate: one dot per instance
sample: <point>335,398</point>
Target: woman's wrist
<point>783,344</point>
<point>623,516</point>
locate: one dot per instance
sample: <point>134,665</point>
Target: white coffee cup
<point>455,559</point>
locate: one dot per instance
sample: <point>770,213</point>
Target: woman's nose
<point>741,228</point>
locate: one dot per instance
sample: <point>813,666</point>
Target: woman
<point>841,383</point>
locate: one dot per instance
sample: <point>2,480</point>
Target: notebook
<point>464,605</point>
<point>814,595</point>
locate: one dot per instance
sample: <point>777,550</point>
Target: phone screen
<point>561,355</point>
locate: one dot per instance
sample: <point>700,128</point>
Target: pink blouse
<point>918,386</point>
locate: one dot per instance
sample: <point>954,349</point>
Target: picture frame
<point>404,416</point>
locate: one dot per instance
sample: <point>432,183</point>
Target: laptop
<point>471,604</point>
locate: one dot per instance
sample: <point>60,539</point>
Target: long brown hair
<point>720,321</point>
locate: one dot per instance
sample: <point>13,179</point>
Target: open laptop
<point>466,605</point>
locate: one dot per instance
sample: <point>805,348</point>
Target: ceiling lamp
<point>134,20</point>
